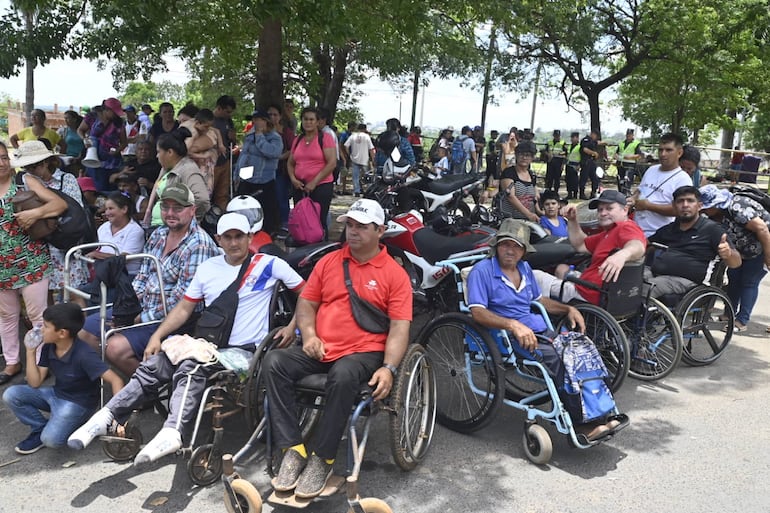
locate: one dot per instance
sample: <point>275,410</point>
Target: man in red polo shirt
<point>620,241</point>
<point>334,343</point>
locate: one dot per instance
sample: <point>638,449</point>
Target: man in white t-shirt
<point>653,200</point>
<point>361,151</point>
<point>189,377</point>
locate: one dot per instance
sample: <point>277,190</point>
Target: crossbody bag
<point>367,316</point>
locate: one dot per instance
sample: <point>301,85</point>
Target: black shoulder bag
<point>216,322</point>
<point>368,317</point>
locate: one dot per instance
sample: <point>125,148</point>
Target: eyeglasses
<point>174,208</point>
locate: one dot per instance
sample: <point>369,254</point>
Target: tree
<point>34,32</point>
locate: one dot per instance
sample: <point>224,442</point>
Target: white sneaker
<point>97,425</point>
<point>167,441</point>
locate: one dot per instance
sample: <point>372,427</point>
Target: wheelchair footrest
<point>333,485</point>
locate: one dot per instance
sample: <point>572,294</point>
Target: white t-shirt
<point>328,130</point>
<point>251,320</point>
<point>359,145</point>
<point>658,187</point>
<point>442,166</point>
<point>134,130</point>
<point>129,239</point>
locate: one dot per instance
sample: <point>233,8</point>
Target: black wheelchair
<point>410,410</point>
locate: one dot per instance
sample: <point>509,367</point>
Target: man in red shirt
<point>334,343</point>
<point>621,241</point>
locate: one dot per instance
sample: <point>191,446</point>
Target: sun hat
<point>515,230</point>
<point>180,193</point>
<point>31,152</point>
<point>364,211</point>
<point>713,196</point>
<point>115,106</point>
<point>608,196</point>
<point>233,221</point>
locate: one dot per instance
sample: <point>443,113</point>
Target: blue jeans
<point>743,288</point>
<point>65,417</point>
<point>358,169</point>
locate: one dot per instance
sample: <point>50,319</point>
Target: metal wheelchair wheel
<point>414,402</point>
<point>468,371</point>
<point>205,465</point>
<point>656,341</point>
<point>707,320</point>
<point>247,497</point>
<point>126,447</point>
<point>609,338</point>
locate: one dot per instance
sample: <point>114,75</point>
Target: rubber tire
<point>252,502</point>
<point>204,466</point>
<point>464,208</point>
<point>414,401</point>
<point>125,451</point>
<point>537,444</point>
<point>693,313</point>
<point>610,339</point>
<point>450,371</point>
<point>638,330</point>
<point>372,505</point>
<point>252,396</point>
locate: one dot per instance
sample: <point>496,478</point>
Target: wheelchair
<point>411,412</point>
<point>706,316</point>
<point>653,334</point>
<point>478,369</point>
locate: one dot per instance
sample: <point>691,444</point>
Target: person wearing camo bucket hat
<point>746,223</point>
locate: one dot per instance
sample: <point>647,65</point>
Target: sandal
<point>737,328</point>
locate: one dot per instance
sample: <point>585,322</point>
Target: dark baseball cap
<point>608,196</point>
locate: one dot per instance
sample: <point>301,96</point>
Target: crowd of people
<point>155,181</point>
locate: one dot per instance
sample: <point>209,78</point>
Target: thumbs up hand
<point>724,249</point>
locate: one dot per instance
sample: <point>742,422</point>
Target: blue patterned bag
<point>587,395</point>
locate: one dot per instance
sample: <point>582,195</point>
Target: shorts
<point>137,337</point>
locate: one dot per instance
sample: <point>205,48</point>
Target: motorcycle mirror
<point>600,172</point>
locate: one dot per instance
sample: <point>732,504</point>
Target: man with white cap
<point>335,342</point>
<point>189,377</point>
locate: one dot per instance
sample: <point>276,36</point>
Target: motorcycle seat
<point>449,183</point>
<point>295,258</point>
<point>434,246</point>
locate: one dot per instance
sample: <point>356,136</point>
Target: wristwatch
<point>392,368</point>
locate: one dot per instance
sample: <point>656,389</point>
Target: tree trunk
<point>592,95</point>
<point>488,75</point>
<point>269,88</point>
<point>415,91</point>
<point>332,65</point>
<point>30,63</point>
<point>728,135</point>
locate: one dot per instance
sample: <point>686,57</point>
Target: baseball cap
<point>127,178</point>
<point>364,211</point>
<point>114,105</point>
<point>129,108</point>
<point>146,106</point>
<point>259,113</point>
<point>608,196</point>
<point>515,230</point>
<point>180,193</point>
<point>233,221</point>
<point>87,183</point>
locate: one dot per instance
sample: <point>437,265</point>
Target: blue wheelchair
<point>477,369</point>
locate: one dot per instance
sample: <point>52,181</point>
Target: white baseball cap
<point>233,221</point>
<point>364,211</point>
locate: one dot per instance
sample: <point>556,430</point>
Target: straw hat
<point>31,152</point>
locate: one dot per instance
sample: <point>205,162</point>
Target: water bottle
<point>572,273</point>
<point>34,337</point>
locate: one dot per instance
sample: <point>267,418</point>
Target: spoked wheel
<point>372,505</point>
<point>282,306</point>
<point>468,371</point>
<point>205,465</point>
<point>523,381</point>
<point>537,444</point>
<point>707,319</point>
<point>247,496</point>
<point>656,341</point>
<point>414,399</point>
<point>125,447</point>
<point>609,338</point>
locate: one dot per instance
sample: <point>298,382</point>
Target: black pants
<point>588,172</point>
<point>346,377</point>
<point>626,172</point>
<point>571,178</point>
<point>323,195</point>
<point>553,174</point>
<point>269,201</point>
<point>491,170</point>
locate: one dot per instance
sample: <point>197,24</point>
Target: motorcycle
<point>441,202</point>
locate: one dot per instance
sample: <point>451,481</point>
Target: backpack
<point>750,192</point>
<point>305,222</point>
<point>458,152</point>
<point>584,387</point>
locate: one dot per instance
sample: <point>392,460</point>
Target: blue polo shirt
<point>77,372</point>
<point>489,288</point>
